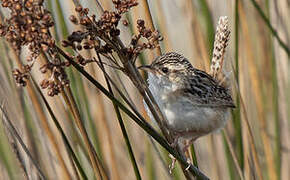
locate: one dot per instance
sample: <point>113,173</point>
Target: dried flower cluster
<point>152,38</point>
<point>124,6</point>
<point>29,25</point>
<point>21,76</point>
<point>102,34</point>
<point>105,28</point>
<point>58,79</point>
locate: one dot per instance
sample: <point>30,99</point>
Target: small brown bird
<point>193,102</point>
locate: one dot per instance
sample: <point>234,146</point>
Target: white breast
<point>182,117</point>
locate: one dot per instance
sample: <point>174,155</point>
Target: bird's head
<point>171,66</point>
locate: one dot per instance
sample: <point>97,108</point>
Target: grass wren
<point>193,102</point>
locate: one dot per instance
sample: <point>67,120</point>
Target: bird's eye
<point>164,69</point>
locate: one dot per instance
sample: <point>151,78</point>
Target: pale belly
<point>193,121</point>
<point>182,117</point>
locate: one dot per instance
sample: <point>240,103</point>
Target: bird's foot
<point>189,164</point>
<point>172,165</point>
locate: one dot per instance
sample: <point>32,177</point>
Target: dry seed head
<point>96,33</point>
<point>28,25</point>
<point>221,41</point>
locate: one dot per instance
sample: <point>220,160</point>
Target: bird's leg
<point>184,148</point>
<point>186,152</point>
<point>174,144</point>
<point>172,165</point>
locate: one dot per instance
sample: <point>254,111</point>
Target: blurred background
<point>255,143</point>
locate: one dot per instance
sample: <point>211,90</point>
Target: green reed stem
<point>59,128</point>
<point>123,128</point>
<point>273,31</point>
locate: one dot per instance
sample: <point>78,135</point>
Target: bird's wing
<point>203,90</point>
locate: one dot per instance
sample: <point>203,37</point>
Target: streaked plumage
<point>193,103</point>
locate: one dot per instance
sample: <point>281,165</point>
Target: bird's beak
<point>145,67</point>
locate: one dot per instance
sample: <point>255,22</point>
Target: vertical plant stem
<point>132,157</point>
<point>276,115</point>
<point>198,39</point>
<point>43,120</point>
<point>78,80</point>
<point>150,20</point>
<point>97,167</point>
<point>237,111</point>
<point>236,34</point>
<point>162,27</point>
<point>70,101</point>
<point>13,131</point>
<point>160,157</point>
<point>122,126</point>
<point>194,157</point>
<point>107,130</point>
<point>256,89</point>
<point>276,103</point>
<point>66,141</point>
<point>255,154</point>
<point>273,31</point>
<point>231,148</point>
<point>207,17</point>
